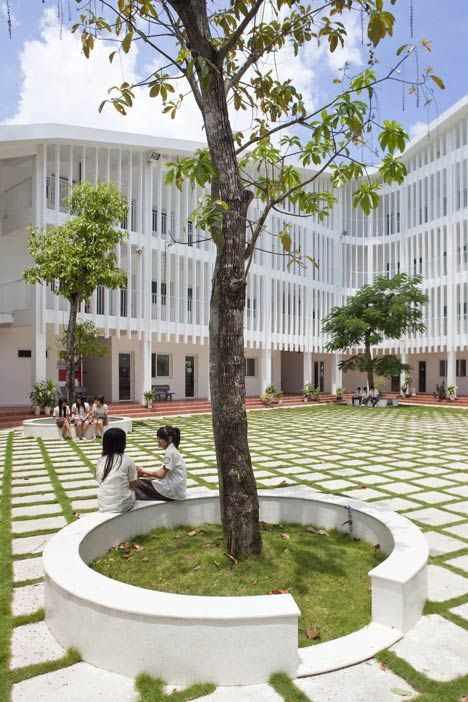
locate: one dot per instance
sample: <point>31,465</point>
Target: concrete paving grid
<point>414,461</point>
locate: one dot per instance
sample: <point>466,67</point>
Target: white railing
<point>14,296</point>
<point>16,199</point>
<point>64,193</point>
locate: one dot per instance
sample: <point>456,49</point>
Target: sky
<point>45,77</point>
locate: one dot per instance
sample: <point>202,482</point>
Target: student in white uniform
<point>116,474</point>
<point>171,483</point>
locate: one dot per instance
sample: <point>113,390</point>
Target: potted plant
<point>269,396</point>
<point>308,391</point>
<point>452,392</point>
<point>149,396</point>
<point>279,396</point>
<point>340,394</point>
<point>49,396</point>
<point>36,397</point>
<point>405,387</point>
<point>316,395</point>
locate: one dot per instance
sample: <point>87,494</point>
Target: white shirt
<point>100,410</point>
<point>174,483</point>
<point>56,412</point>
<point>81,411</point>
<point>114,493</point>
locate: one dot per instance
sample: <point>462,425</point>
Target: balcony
<point>16,206</point>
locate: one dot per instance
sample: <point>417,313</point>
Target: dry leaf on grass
<point>285,536</point>
<point>317,532</point>
<point>280,591</point>
<point>192,533</point>
<point>138,548</point>
<point>145,559</point>
<point>231,558</point>
<point>383,666</point>
<point>312,634</point>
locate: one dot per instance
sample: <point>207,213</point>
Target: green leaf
<point>402,693</point>
<point>127,42</point>
<point>438,81</point>
<point>285,238</point>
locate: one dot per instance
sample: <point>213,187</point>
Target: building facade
<point>156,328</point>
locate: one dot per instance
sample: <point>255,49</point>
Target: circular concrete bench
<point>226,640</point>
<point>46,428</point>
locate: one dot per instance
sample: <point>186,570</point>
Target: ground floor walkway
<point>412,459</point>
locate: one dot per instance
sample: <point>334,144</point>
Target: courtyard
<point>411,460</point>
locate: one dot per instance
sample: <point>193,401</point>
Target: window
<point>163,365</point>
<point>100,300</point>
<point>442,369</point>
<point>190,233</point>
<point>250,367</point>
<point>154,293</point>
<point>24,353</point>
<point>461,368</point>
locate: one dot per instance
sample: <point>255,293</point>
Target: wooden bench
<point>162,392</point>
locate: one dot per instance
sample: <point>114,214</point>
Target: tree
<point>78,256</point>
<point>389,308</point>
<point>225,55</point>
<point>86,343</point>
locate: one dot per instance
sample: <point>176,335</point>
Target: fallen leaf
<point>402,693</point>
<point>254,582</point>
<point>322,532</point>
<point>145,559</point>
<point>362,487</point>
<point>77,515</point>
<point>196,567</point>
<point>283,483</point>
<point>234,560</point>
<point>111,560</point>
<point>124,546</point>
<point>209,546</point>
<point>383,666</point>
<point>216,564</point>
<point>285,536</point>
<point>280,591</point>
<point>138,548</point>
<point>202,531</point>
<point>192,533</point>
<point>126,556</point>
<point>311,530</point>
<point>377,547</point>
<point>312,634</point>
<point>266,526</point>
<point>286,550</point>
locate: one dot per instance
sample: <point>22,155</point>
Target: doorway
<point>190,376</point>
<point>124,377</point>
<point>395,383</point>
<point>319,374</point>
<point>422,376</point>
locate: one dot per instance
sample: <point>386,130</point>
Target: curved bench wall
<point>47,428</point>
<point>185,639</point>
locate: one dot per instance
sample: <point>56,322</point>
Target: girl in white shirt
<point>116,474</point>
<point>81,416</point>
<point>61,415</point>
<point>171,483</point>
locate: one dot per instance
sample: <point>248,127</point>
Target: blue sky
<point>44,78</point>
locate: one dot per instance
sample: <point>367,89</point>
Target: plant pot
<point>149,404</point>
<point>280,402</point>
<point>37,410</point>
<point>47,411</point>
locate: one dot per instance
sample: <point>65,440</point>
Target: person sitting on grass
<point>100,419</point>
<point>116,474</point>
<point>81,416</point>
<point>171,483</point>
<point>61,414</point>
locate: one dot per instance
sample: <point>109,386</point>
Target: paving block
<point>461,611</point>
<point>28,569</point>
<point>30,544</point>
<point>34,510</point>
<point>433,516</point>
<point>445,585</point>
<point>459,530</point>
<point>28,599</point>
<point>366,682</point>
<point>461,562</point>
<point>440,544</point>
<point>37,524</point>
<point>33,643</point>
<point>77,683</point>
<point>435,647</point>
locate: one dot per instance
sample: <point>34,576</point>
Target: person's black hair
<point>80,398</point>
<point>100,398</point>
<point>168,433</point>
<point>113,444</point>
<point>62,405</point>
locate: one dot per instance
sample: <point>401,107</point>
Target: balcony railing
<point>16,199</point>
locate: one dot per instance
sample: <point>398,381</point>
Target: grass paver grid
<point>382,456</point>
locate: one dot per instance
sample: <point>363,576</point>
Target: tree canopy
<point>78,256</point>
<point>388,308</point>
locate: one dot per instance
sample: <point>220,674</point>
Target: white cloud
<point>418,129</point>
<point>59,85</point>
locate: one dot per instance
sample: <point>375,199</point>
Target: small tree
<point>387,309</point>
<point>78,255</point>
<point>86,343</point>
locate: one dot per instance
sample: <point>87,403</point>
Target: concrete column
<point>143,368</point>
<point>404,359</point>
<point>266,369</point>
<point>336,373</point>
<point>38,333</point>
<point>307,372</point>
<point>451,367</point>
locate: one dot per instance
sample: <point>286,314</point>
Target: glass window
<point>461,368</point>
<point>163,365</point>
<point>250,367</point>
<point>442,368</point>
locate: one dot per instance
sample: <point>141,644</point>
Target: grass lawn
<point>325,573</point>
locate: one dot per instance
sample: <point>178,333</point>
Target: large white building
<point>156,329</point>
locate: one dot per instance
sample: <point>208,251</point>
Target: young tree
<point>225,54</point>
<point>86,343</point>
<point>78,255</point>
<point>389,308</point>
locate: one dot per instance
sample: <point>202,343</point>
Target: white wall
<point>15,373</point>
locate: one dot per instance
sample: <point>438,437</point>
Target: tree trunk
<point>70,352</point>
<point>238,492</point>
<point>370,368</point>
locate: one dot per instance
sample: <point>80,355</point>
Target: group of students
<point>365,397</point>
<point>81,416</point>
<point>121,482</point>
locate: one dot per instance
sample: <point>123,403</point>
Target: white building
<point>156,329</point>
